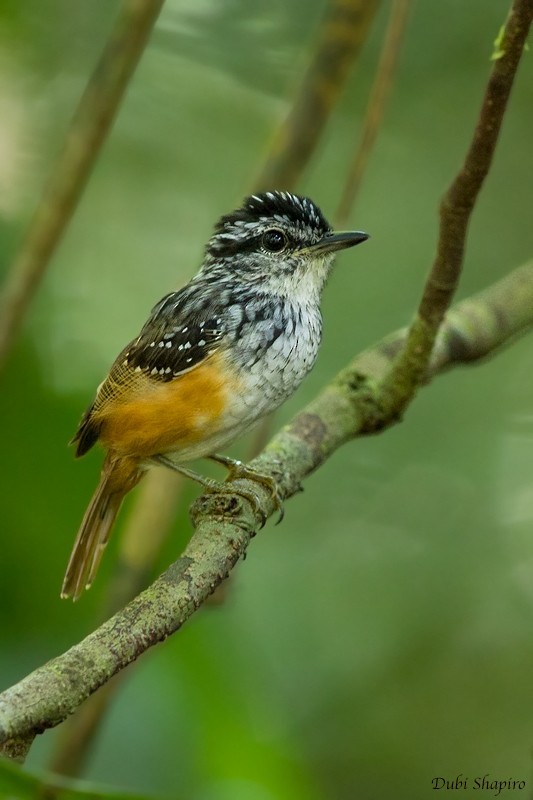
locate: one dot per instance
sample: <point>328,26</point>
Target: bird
<point>213,358</point>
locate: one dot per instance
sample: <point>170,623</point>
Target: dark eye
<point>274,240</point>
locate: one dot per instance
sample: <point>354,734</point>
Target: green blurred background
<point>382,635</point>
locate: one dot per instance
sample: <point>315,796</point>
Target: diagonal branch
<point>88,130</point>
<point>225,524</point>
<point>456,207</point>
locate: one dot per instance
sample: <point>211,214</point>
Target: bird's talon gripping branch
<point>220,487</point>
<point>236,469</point>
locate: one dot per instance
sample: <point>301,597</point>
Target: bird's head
<point>278,241</point>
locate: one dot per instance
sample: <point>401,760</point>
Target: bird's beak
<point>338,241</point>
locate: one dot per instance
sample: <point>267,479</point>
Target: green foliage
<point>18,784</point>
<point>498,52</point>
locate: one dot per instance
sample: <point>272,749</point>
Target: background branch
<point>341,37</point>
<point>225,524</point>
<point>379,95</point>
<point>86,135</point>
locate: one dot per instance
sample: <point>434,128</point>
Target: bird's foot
<point>236,469</point>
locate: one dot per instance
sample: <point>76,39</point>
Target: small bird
<point>212,359</point>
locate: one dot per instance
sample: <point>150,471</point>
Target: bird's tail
<point>119,475</point>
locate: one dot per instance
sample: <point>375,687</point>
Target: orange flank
<point>139,416</point>
<point>136,416</point>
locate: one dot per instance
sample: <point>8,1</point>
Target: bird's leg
<point>236,469</point>
<point>210,484</point>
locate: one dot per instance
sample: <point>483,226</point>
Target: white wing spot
<point>169,344</point>
<point>201,343</point>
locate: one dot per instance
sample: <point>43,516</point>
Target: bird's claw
<point>238,470</point>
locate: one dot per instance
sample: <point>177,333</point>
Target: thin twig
<point>476,328</point>
<point>225,523</point>
<point>341,37</point>
<point>375,109</point>
<point>88,130</point>
<point>456,207</point>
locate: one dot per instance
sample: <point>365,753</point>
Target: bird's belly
<point>201,412</point>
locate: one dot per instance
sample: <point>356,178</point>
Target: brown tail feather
<point>119,475</point>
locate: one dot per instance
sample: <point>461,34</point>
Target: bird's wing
<point>180,334</point>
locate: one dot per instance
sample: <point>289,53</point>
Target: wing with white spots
<point>174,340</point>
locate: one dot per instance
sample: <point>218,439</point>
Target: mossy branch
<point>225,524</point>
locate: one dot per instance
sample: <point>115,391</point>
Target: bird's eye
<point>274,240</point>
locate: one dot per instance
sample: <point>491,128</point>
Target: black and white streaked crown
<point>258,211</point>
<point>282,207</point>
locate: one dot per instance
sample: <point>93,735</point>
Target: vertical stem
<point>341,37</point>
<point>377,102</point>
<point>91,123</point>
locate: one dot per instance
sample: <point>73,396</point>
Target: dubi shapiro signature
<point>485,782</point>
